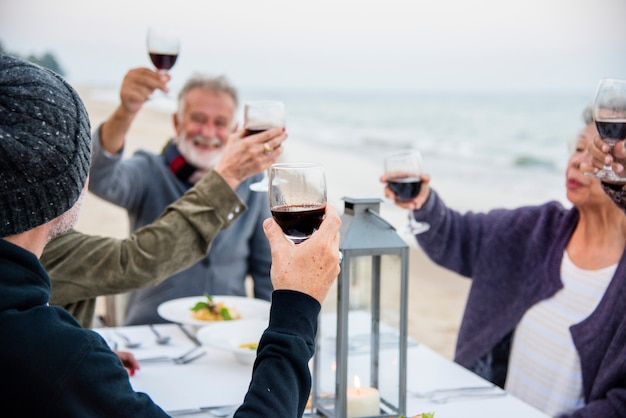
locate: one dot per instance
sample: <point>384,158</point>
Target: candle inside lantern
<point>362,402</point>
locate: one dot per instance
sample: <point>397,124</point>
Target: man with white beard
<point>146,183</point>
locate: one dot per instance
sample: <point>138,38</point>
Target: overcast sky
<point>333,44</point>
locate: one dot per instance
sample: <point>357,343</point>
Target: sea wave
<point>514,141</point>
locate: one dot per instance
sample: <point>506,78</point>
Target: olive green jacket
<point>82,267</point>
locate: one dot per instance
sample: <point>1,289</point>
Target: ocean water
<point>506,144</point>
<point>509,145</point>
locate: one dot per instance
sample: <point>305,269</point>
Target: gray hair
<point>587,115</point>
<point>219,84</point>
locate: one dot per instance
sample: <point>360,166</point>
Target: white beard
<point>204,160</point>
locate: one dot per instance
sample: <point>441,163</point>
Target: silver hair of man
<point>216,84</point>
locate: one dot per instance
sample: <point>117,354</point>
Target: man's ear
<point>176,122</point>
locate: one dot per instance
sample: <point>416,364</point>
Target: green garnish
<point>205,305</point>
<point>213,308</point>
<point>225,314</point>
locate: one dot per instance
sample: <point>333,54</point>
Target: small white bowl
<point>231,335</point>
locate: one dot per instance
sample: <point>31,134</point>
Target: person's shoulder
<point>531,217</point>
<point>148,162</point>
<point>552,207</point>
<point>542,216</point>
<point>148,156</point>
<point>52,329</point>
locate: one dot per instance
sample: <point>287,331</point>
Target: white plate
<point>179,310</point>
<point>229,336</point>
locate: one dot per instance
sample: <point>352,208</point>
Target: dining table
<point>212,382</point>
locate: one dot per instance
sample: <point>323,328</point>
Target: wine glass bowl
<point>163,47</point>
<point>297,198</point>
<point>403,171</point>
<point>260,116</point>
<point>609,114</point>
<point>263,115</point>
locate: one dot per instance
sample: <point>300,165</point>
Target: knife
<point>189,335</point>
<point>217,410</point>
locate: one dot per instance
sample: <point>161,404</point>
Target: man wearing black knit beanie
<point>52,367</point>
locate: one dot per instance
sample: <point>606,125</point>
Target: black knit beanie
<point>45,146</point>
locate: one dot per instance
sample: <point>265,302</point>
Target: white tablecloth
<point>218,379</point>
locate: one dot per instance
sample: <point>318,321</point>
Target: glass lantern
<point>359,369</point>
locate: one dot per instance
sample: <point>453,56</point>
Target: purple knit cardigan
<point>513,258</point>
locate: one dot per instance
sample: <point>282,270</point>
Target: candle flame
<point>357,384</point>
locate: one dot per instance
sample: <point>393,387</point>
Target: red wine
<point>163,61</point>
<point>612,131</point>
<point>405,188</point>
<point>256,130</point>
<point>299,221</point>
<point>613,186</point>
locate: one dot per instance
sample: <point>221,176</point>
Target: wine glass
<point>259,117</point>
<point>609,114</point>
<point>297,197</point>
<point>163,47</point>
<point>403,171</point>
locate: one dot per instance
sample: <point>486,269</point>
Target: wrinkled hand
<point>245,156</point>
<point>310,267</point>
<point>138,86</point>
<point>128,360</point>
<point>601,156</point>
<point>417,202</point>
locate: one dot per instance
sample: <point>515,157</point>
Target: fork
<point>216,411</point>
<point>128,343</point>
<point>182,359</point>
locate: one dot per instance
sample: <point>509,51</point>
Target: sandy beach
<point>436,296</point>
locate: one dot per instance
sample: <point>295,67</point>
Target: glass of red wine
<point>403,171</point>
<point>297,197</point>
<point>259,117</point>
<point>163,47</point>
<point>609,114</point>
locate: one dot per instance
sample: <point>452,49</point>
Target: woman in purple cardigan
<point>546,314</point>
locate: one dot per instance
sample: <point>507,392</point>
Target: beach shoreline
<point>436,296</point>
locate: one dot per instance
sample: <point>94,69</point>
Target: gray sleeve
<point>113,179</point>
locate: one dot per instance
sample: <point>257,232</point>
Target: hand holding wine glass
<point>297,198</point>
<point>403,174</point>
<point>259,117</point>
<point>163,47</point>
<point>602,155</point>
<point>609,114</point>
<point>310,268</point>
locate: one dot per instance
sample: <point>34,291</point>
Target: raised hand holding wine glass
<point>403,174</point>
<point>297,198</point>
<point>609,114</point>
<point>163,47</point>
<point>260,116</point>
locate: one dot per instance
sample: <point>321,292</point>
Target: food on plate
<point>249,346</point>
<point>213,311</point>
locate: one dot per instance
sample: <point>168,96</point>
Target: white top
<point>544,367</point>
